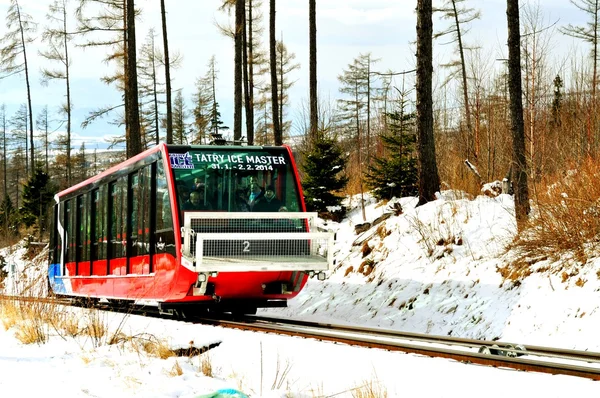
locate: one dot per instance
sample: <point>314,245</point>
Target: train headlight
<point>202,278</point>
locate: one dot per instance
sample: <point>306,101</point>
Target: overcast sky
<point>345,29</point>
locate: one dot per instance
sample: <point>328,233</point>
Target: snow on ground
<point>457,290</point>
<point>431,269</point>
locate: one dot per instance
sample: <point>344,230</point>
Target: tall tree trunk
<point>280,86</point>
<point>429,180</point>
<point>31,147</point>
<point>68,105</point>
<point>517,127</point>
<point>369,110</point>
<point>312,29</point>
<point>133,134</point>
<point>247,55</point>
<point>167,73</point>
<point>594,84</point>
<point>4,166</point>
<point>155,99</point>
<point>277,133</point>
<point>125,70</point>
<point>240,11</point>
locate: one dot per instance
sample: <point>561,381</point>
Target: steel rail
<point>392,340</point>
<point>424,345</point>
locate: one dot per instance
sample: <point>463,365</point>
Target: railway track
<point>483,352</point>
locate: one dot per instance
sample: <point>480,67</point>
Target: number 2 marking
<point>246,246</point>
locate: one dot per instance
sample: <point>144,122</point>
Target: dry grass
<point>565,219</point>
<point>568,214</point>
<point>10,313</point>
<point>370,389</point>
<point>176,370</point>
<point>96,328</point>
<point>206,366</point>
<point>28,318</point>
<point>157,348</point>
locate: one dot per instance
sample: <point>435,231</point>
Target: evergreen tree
<point>8,218</point>
<point>37,196</point>
<point>216,123</point>
<point>395,175</point>
<point>323,167</point>
<point>180,116</point>
<point>80,166</point>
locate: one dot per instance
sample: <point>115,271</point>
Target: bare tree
<point>285,65</point>
<point>103,22</point>
<point>535,47</point>
<point>588,33</point>
<point>150,88</point>
<point>460,17</point>
<point>429,180</point>
<point>519,162</point>
<point>13,58</point>
<point>57,38</point>
<point>43,124</point>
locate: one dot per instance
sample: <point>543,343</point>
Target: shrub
<point>567,215</point>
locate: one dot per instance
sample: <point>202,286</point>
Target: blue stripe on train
<point>56,283</point>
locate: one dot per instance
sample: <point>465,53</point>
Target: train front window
<point>234,180</point>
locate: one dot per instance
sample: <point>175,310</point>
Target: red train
<point>221,227</point>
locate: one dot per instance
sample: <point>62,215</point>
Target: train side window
<point>140,211</point>
<point>164,235</point>
<point>98,224</point>
<point>83,221</point>
<point>62,243</point>
<point>54,247</point>
<point>70,231</point>
<point>144,210</point>
<point>118,216</point>
<point>79,229</point>
<point>94,225</point>
<point>134,216</point>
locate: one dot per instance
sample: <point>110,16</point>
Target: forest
<point>440,124</point>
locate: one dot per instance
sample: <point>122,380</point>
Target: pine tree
<point>8,217</point>
<point>395,174</point>
<point>323,179</point>
<point>180,115</point>
<point>80,167</point>
<point>37,196</point>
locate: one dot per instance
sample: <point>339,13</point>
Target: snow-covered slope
<point>435,269</point>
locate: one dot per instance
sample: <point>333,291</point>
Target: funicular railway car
<point>190,228</point>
